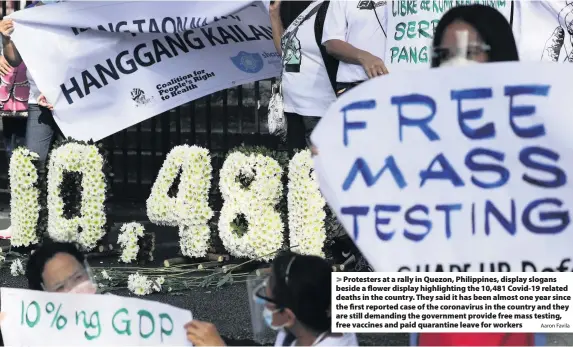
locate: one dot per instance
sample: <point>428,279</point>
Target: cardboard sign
<point>454,169</point>
<point>34,318</point>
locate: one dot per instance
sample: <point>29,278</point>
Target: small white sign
<point>34,318</point>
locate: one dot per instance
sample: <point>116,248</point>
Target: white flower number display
<point>305,207</point>
<point>264,234</point>
<point>24,203</point>
<point>85,159</point>
<point>189,209</point>
<point>128,238</point>
<point>250,184</point>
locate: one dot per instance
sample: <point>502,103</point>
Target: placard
<point>454,169</point>
<point>34,318</point>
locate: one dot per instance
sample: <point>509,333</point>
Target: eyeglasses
<point>260,293</point>
<point>76,278</point>
<point>473,50</point>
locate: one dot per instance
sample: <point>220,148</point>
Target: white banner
<point>454,169</point>
<point>140,59</point>
<point>411,26</point>
<point>36,318</point>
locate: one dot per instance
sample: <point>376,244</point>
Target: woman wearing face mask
<point>296,298</point>
<point>473,34</point>
<point>59,267</point>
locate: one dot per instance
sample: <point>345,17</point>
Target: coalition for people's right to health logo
<point>248,62</point>
<point>138,96</point>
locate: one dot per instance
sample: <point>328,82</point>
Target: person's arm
<point>276,24</point>
<point>334,40</point>
<point>9,50</point>
<point>345,52</point>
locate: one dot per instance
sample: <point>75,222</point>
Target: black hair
<point>46,251</point>
<point>491,26</point>
<point>307,291</point>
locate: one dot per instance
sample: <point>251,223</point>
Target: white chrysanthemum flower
<point>17,268</point>
<point>264,234</point>
<point>86,159</point>
<point>139,284</point>
<point>157,283</point>
<point>189,210</point>
<point>305,207</point>
<point>130,233</point>
<point>105,275</point>
<point>24,204</point>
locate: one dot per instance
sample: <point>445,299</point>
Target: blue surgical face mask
<point>268,316</point>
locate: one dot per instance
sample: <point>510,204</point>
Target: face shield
<point>463,54</point>
<point>80,282</point>
<point>256,285</point>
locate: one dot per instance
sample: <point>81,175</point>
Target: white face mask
<point>458,61</point>
<point>86,287</point>
<point>461,57</point>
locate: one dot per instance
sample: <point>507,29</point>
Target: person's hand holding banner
<point>42,101</point>
<point>203,334</point>
<point>454,169</point>
<point>6,27</point>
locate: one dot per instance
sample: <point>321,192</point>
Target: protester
<point>354,32</point>
<point>485,30</point>
<point>307,83</point>
<point>13,105</point>
<point>59,267</point>
<point>41,129</point>
<point>296,298</point>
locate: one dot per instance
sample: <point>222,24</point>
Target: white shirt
<point>343,340</point>
<point>356,23</point>
<point>34,91</point>
<point>305,85</point>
